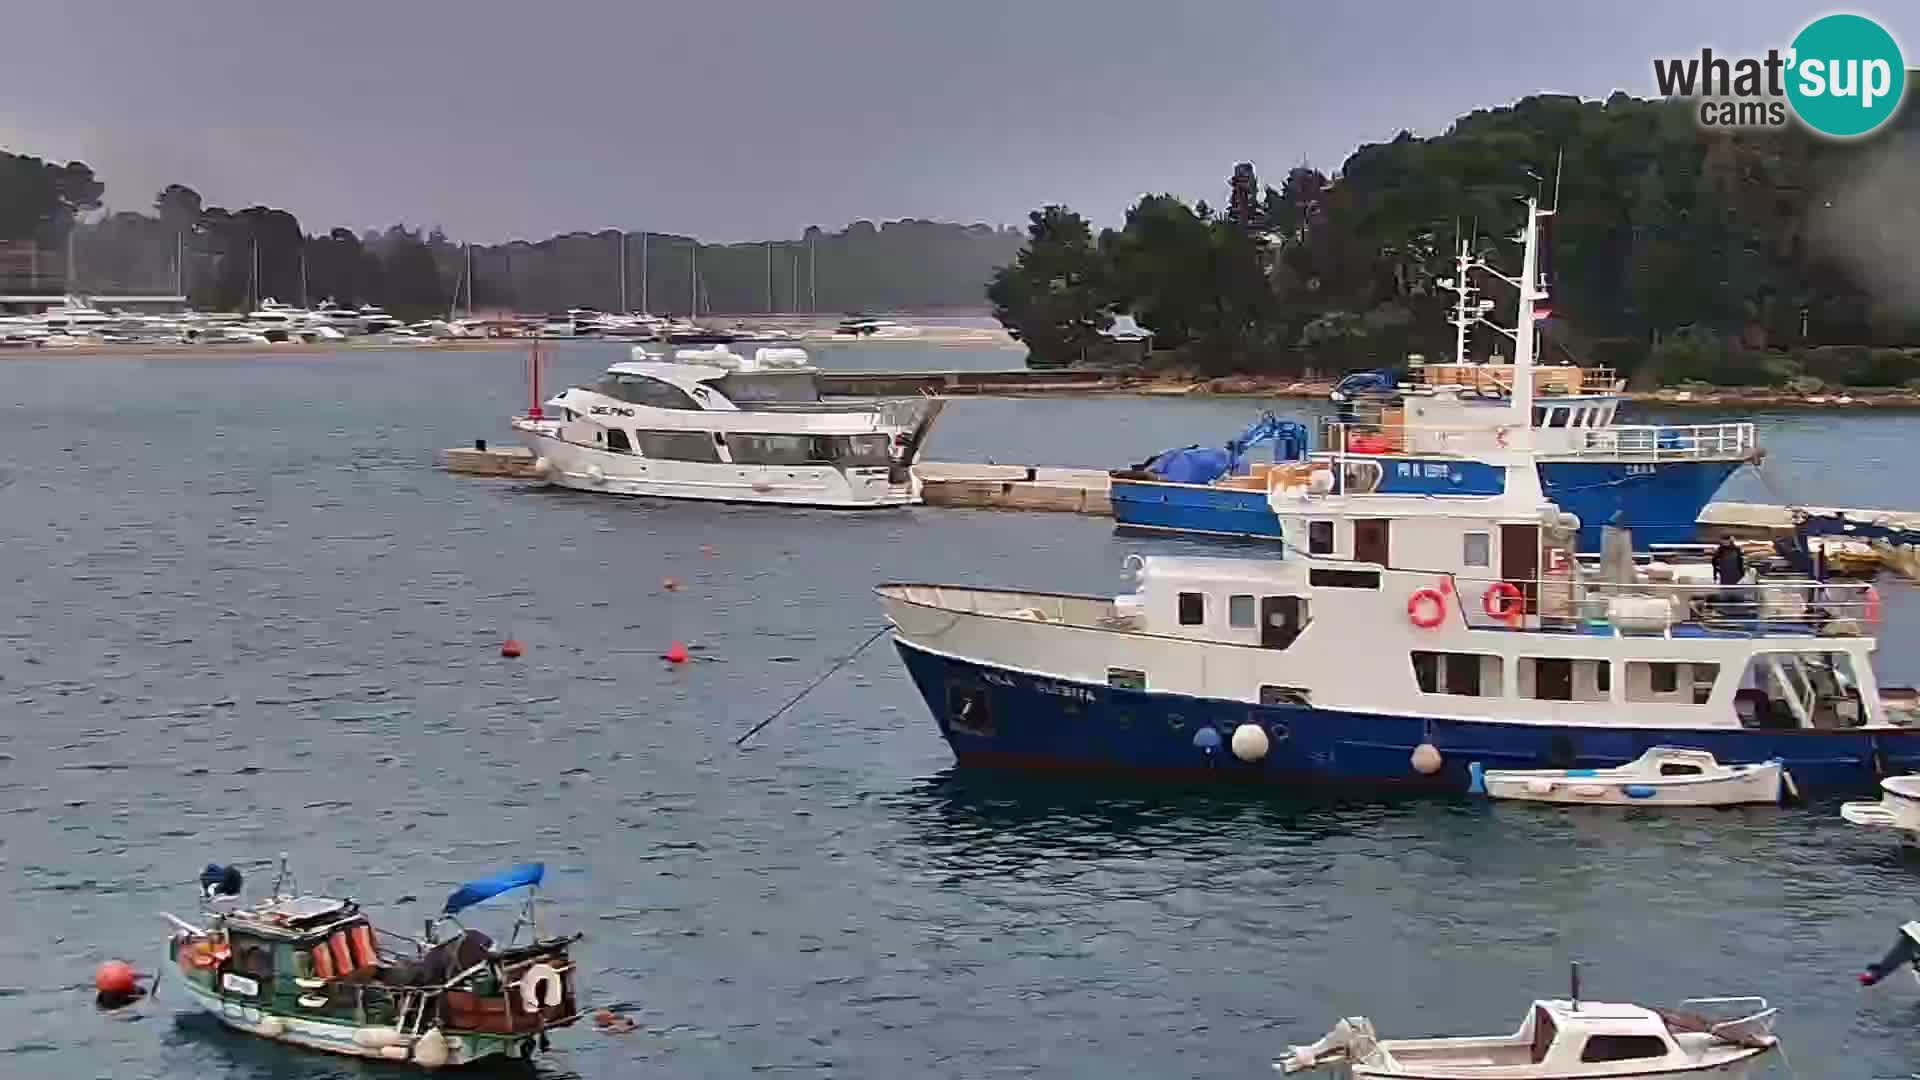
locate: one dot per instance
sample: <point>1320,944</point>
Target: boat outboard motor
<point>1906,950</point>
<point>217,882</point>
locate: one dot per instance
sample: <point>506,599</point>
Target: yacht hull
<point>1661,502</point>
<point>998,716</point>
<point>582,468</point>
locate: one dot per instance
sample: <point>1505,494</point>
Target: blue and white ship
<point>1425,626</point>
<point>1654,479</point>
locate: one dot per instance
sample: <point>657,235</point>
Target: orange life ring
<point>1504,601</point>
<point>1417,604</point>
<point>1873,606</point>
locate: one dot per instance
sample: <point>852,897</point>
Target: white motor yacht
<point>709,424</point>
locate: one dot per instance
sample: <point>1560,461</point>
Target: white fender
<point>377,1036</point>
<point>1539,786</point>
<point>271,1026</point>
<point>431,1051</point>
<point>542,468</point>
<point>1250,742</point>
<point>596,474</point>
<point>531,983</point>
<point>394,1053</point>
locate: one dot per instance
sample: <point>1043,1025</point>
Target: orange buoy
<point>670,584</point>
<point>676,653</point>
<point>115,982</point>
<point>510,649</point>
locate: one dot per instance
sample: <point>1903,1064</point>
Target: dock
<point>1085,491</point>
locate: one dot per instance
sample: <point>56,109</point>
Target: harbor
<point>1427,609</point>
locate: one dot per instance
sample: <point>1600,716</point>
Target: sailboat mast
<point>623,272</point>
<point>769,247</point>
<point>179,264</point>
<point>303,272</point>
<point>693,283</point>
<point>643,272</point>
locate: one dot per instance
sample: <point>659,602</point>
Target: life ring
<point>1873,606</point>
<point>540,982</point>
<point>1417,608</point>
<point>1504,601</point>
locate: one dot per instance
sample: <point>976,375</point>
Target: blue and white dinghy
<point>1663,776</point>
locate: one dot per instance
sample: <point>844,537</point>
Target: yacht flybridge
<point>711,424</point>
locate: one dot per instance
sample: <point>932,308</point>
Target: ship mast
<point>1531,290</point>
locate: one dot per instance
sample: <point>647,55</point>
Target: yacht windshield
<point>783,387</point>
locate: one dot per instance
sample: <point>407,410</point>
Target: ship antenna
<point>1575,979</point>
<point>1559,159</point>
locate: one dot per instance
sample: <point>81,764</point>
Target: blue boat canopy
<point>487,888</point>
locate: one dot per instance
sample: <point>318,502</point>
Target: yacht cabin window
<point>1465,674</point>
<point>644,390</point>
<point>1240,612</point>
<point>1319,537</point>
<point>767,387</point>
<point>1193,609</point>
<point>677,446</point>
<point>1557,417</point>
<point>1281,620</point>
<point>1656,682</point>
<point>1547,678</point>
<point>617,441</point>
<point>1623,1048</point>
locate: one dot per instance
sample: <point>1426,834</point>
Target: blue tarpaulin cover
<point>1192,465</point>
<point>487,888</point>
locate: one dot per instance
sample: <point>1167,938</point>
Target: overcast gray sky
<point>737,120</point>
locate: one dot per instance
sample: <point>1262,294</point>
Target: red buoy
<point>114,979</point>
<point>676,653</point>
<point>510,649</point>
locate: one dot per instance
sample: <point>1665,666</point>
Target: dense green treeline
<point>229,259</point>
<point>1677,254</point>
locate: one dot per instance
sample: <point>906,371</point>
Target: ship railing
<point>1663,442</point>
<point>1497,379</point>
<point>1772,607</point>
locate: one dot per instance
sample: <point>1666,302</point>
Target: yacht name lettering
<point>1077,693</point>
<point>615,410</point>
<point>1413,470</point>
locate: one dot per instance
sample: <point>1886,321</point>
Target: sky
<point>736,120</point>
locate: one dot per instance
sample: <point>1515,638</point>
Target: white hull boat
<point>710,425</point>
<point>1564,1040</point>
<point>1898,808</point>
<point>1663,776</point>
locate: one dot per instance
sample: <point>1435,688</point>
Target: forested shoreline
<point>1767,258</point>
<point>50,211</point>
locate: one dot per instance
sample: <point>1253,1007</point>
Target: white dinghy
<point>1564,1040</point>
<point>1898,808</point>
<point>1663,776</point>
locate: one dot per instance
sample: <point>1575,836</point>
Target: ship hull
<point>998,717</point>
<point>1661,503</point>
<point>338,1038</point>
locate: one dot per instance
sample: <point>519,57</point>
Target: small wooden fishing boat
<point>1898,808</point>
<point>312,971</point>
<point>1564,1040</point>
<point>1663,776</point>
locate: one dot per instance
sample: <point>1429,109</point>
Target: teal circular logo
<point>1846,76</point>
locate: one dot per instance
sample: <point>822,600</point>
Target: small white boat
<point>1564,1040</point>
<point>1898,808</point>
<point>1663,776</point>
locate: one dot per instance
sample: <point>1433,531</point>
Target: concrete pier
<point>1084,491</point>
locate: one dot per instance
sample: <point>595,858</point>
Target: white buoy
<point>431,1051</point>
<point>1426,759</point>
<point>542,468</point>
<point>596,474</point>
<point>1250,742</point>
<point>271,1026</point>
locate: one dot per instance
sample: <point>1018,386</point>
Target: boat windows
<point>1464,674</point>
<point>1557,417</point>
<point>1659,683</point>
<point>1553,678</point>
<point>617,441</point>
<point>1126,678</point>
<point>857,450</point>
<point>642,390</point>
<point>1539,416</point>
<point>254,959</point>
<point>1361,477</point>
<point>1240,612</point>
<point>1285,695</point>
<point>1796,689</point>
<point>767,387</point>
<point>1343,579</point>
<point>1319,537</point>
<point>1623,1048</point>
<point>1193,609</point>
<point>677,445</point>
<point>1477,549</point>
<point>1281,620</point>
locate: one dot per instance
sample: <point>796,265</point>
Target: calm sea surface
<point>241,613</point>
